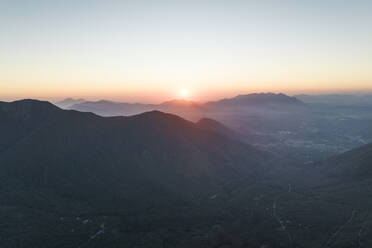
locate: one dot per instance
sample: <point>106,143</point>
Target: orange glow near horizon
<point>49,84</point>
<point>147,51</point>
<point>163,92</point>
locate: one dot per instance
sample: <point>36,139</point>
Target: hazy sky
<point>150,50</point>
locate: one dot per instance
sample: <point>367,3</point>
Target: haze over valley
<point>155,179</point>
<point>310,129</point>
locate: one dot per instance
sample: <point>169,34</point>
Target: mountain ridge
<point>187,107</point>
<point>143,149</point>
<point>257,99</point>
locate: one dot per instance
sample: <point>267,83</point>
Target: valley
<point>74,179</point>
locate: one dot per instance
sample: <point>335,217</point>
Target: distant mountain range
<point>263,99</point>
<point>182,107</point>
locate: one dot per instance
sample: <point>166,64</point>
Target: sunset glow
<point>143,51</point>
<point>185,123</point>
<point>184,93</point>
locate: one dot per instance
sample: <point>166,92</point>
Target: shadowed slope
<point>118,158</point>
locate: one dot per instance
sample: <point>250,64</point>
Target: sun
<point>184,92</point>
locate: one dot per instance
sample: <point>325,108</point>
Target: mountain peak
<point>258,99</point>
<point>28,110</point>
<point>30,103</point>
<point>156,115</point>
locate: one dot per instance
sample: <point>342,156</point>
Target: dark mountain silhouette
<point>73,179</point>
<point>21,118</point>
<point>117,158</point>
<point>260,99</point>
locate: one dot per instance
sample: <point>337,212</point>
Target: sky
<point>149,51</point>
